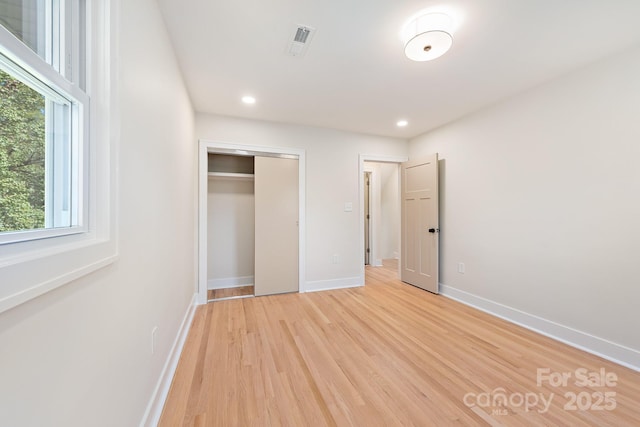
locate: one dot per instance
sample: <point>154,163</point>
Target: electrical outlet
<point>154,333</point>
<point>335,259</point>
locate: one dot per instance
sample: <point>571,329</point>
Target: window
<point>58,189</point>
<point>43,109</point>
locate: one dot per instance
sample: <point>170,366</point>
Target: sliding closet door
<point>276,225</point>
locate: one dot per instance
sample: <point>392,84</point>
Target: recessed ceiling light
<point>402,123</point>
<point>248,99</point>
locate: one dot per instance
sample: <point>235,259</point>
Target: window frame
<point>30,268</point>
<point>54,81</point>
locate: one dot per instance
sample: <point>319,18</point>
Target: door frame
<point>211,146</point>
<point>367,215</point>
<point>362,158</point>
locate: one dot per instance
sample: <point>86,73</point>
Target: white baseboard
<point>156,404</point>
<point>616,353</point>
<point>230,282</point>
<point>325,285</point>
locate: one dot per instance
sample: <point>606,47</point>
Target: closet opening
<point>251,221</point>
<point>230,231</point>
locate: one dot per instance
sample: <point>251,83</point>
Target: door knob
<point>432,230</point>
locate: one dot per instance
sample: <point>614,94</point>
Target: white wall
<point>231,232</point>
<point>390,211</point>
<point>332,179</point>
<point>81,355</point>
<point>540,201</point>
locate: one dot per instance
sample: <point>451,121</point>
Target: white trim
<point>608,350</point>
<point>18,52</point>
<point>31,268</point>
<point>230,282</point>
<point>25,295</point>
<point>18,236</point>
<point>361,169</point>
<point>153,412</point>
<point>326,285</point>
<point>382,159</point>
<point>26,66</point>
<point>207,146</point>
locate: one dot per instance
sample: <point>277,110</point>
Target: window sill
<point>32,274</point>
<point>26,236</point>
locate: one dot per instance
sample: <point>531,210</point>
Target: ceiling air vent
<point>299,44</point>
<point>302,33</point>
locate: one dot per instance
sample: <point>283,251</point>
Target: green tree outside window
<point>22,156</point>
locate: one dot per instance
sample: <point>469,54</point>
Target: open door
<point>419,223</point>
<point>276,225</point>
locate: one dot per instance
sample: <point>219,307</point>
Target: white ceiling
<point>355,76</point>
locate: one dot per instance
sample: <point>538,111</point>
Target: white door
<point>420,229</point>
<point>276,225</point>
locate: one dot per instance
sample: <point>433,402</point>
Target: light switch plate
<point>348,207</point>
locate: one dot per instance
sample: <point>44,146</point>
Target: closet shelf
<point>231,175</point>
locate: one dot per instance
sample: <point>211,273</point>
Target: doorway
<point>230,226</point>
<point>296,175</point>
<point>380,211</point>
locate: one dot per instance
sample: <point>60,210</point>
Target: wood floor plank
<point>387,354</point>
<point>241,291</point>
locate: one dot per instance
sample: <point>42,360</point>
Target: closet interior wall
<point>231,221</point>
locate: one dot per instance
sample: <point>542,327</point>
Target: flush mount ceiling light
<point>427,36</point>
<point>402,123</point>
<point>248,99</point>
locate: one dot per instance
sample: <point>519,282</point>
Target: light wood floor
<point>386,354</point>
<point>229,292</point>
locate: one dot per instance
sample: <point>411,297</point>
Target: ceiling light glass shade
<point>427,37</point>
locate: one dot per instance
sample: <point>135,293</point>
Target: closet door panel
<point>276,225</point>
